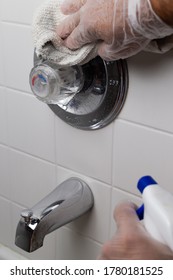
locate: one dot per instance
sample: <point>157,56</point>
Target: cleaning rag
<point>48,45</point>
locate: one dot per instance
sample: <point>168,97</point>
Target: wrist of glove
<point>145,21</point>
<point>140,26</point>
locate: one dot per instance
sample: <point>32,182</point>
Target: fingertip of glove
<point>125,209</point>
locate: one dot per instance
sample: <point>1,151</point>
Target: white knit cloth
<point>48,45</point>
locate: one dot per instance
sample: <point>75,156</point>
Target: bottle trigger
<point>140,212</point>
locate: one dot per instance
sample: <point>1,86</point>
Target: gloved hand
<point>122,28</point>
<point>131,241</point>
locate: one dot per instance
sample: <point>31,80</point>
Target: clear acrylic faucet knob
<point>44,81</point>
<point>56,85</point>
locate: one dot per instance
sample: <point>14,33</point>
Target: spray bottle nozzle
<point>144,182</point>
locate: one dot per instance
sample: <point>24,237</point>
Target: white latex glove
<point>121,27</point>
<point>131,241</point>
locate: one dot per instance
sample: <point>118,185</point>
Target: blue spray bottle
<point>157,210</point>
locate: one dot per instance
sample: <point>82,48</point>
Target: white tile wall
<point>141,151</point>
<point>1,59</point>
<point>19,11</point>
<point>3,119</point>
<point>18,55</point>
<point>30,178</point>
<point>150,95</point>
<point>89,153</point>
<point>30,125</point>
<point>71,245</point>
<point>4,172</point>
<point>5,221</point>
<point>38,150</point>
<point>1,56</point>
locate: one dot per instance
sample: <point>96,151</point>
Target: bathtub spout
<point>65,203</point>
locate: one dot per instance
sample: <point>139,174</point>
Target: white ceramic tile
<point>1,58</point>
<point>150,97</point>
<point>8,254</point>
<point>4,172</point>
<point>94,224</point>
<point>47,251</point>
<point>31,179</point>
<point>20,11</point>
<point>30,125</point>
<point>5,222</point>
<point>18,55</point>
<point>119,196</point>
<point>73,246</point>
<point>1,10</point>
<point>3,117</point>
<point>87,152</point>
<point>140,151</point>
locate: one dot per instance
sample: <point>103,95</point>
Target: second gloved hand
<point>131,241</point>
<point>122,28</point>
